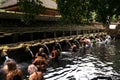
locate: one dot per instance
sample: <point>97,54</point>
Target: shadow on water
<point>97,63</point>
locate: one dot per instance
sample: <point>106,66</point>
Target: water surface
<point>101,62</point>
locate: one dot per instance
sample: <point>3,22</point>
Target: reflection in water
<point>80,69</point>
<point>100,61</point>
<point>97,62</point>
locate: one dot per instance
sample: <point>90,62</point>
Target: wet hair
<point>41,49</point>
<point>32,68</point>
<point>11,65</point>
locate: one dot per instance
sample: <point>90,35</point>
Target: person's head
<point>11,65</point>
<point>41,49</point>
<point>32,68</point>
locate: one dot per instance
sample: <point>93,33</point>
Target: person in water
<point>12,72</point>
<point>74,47</point>
<point>34,73</point>
<point>88,43</point>
<point>41,53</point>
<point>41,63</point>
<point>40,60</point>
<point>82,41</point>
<point>55,54</point>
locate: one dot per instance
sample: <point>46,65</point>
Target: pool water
<point>97,63</point>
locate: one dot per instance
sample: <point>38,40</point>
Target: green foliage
<point>106,9</point>
<point>30,9</point>
<point>74,11</point>
<point>85,11</point>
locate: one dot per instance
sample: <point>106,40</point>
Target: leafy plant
<point>75,11</point>
<point>85,11</point>
<point>106,9</point>
<point>30,9</point>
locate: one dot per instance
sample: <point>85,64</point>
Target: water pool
<point>96,63</point>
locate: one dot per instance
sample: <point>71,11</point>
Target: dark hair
<point>11,65</point>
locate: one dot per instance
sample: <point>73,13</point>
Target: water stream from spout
<point>58,44</point>
<point>69,44</point>
<point>30,52</point>
<point>7,59</point>
<point>47,49</point>
<point>6,56</point>
<point>77,43</point>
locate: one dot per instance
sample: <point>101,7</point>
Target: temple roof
<point>47,3</point>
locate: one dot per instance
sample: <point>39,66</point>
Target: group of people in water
<point>92,41</point>
<point>35,69</point>
<point>41,60</point>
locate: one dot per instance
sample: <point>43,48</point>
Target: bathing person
<point>94,41</point>
<point>107,39</point>
<point>12,72</point>
<point>74,47</point>
<point>3,72</point>
<point>88,43</point>
<point>41,63</point>
<point>4,69</point>
<point>41,59</point>
<point>82,41</point>
<point>55,54</point>
<point>41,53</point>
<point>34,73</point>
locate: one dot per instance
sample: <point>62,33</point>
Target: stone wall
<point>10,35</point>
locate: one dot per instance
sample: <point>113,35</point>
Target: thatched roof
<point>47,3</point>
<point>7,3</point>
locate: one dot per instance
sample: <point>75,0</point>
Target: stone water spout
<point>28,48</point>
<point>58,45</point>
<point>77,42</point>
<point>69,43</point>
<point>4,54</point>
<point>66,45</point>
